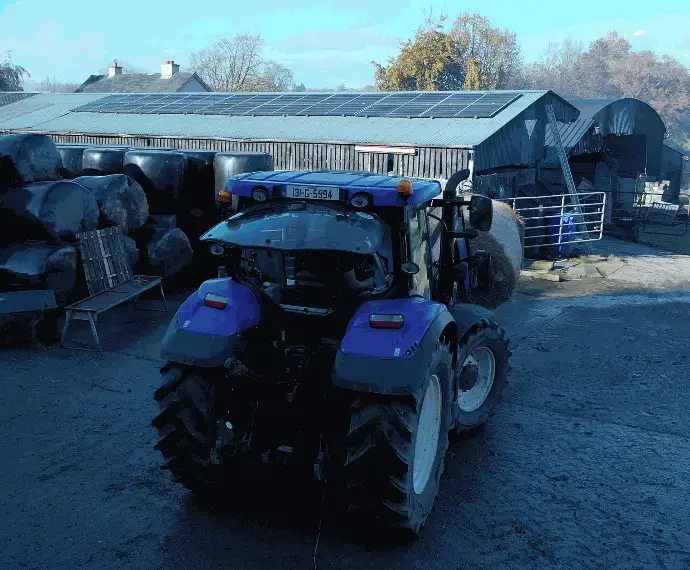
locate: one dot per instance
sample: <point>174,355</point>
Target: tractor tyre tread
<point>377,472</point>
<point>186,427</point>
<point>487,332</point>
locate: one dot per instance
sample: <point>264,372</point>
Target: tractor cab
<point>382,235</point>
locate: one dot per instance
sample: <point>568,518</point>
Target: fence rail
<point>554,222</point>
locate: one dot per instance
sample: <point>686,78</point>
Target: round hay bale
<point>504,243</point>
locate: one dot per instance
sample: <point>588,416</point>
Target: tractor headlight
<point>360,200</point>
<point>260,194</point>
<point>217,249</point>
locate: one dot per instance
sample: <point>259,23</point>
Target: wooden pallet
<point>109,279</point>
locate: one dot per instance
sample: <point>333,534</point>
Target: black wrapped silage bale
<point>198,209</point>
<point>227,164</point>
<point>27,158</point>
<point>99,161</point>
<point>39,266</point>
<point>160,174</point>
<point>131,250</point>
<point>122,200</point>
<point>72,159</point>
<point>198,190</point>
<point>47,211</point>
<point>169,252</point>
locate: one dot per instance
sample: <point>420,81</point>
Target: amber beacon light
<point>404,188</point>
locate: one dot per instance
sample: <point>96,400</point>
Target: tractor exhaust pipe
<point>454,180</point>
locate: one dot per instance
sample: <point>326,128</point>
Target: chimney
<point>114,69</point>
<point>169,68</point>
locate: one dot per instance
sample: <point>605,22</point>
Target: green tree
<point>494,52</point>
<point>11,75</point>
<point>472,79</point>
<point>436,59</point>
<point>429,62</point>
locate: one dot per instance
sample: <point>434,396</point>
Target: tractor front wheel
<point>396,448</point>
<point>482,367</point>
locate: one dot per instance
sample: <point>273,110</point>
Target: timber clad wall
<point>427,163</point>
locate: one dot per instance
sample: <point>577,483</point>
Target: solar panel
<point>273,107</point>
<point>301,107</point>
<point>357,104</point>
<point>451,105</point>
<point>412,104</point>
<point>417,106</point>
<point>7,98</point>
<point>330,104</point>
<point>487,105</point>
<point>389,104</point>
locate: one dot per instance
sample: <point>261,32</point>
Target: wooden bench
<point>109,278</point>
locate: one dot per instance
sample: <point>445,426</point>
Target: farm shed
<point>615,145</point>
<point>422,134</point>
<point>672,170</point>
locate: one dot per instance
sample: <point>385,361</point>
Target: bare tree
<point>11,75</point>
<point>231,64</point>
<point>609,68</point>
<point>54,86</point>
<point>272,76</point>
<point>558,69</point>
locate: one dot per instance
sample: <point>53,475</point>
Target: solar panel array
<point>7,98</point>
<point>433,104</point>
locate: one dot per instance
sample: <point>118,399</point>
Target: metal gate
<point>554,226</point>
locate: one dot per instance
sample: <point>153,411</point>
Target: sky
<point>325,43</point>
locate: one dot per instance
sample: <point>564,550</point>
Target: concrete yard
<point>585,465</point>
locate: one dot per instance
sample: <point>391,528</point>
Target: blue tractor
<point>335,339</point>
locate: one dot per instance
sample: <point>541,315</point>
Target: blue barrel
<point>565,248</point>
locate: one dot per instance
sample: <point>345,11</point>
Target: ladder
<point>580,224</point>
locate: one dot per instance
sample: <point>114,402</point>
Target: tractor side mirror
<point>460,271</point>
<point>410,268</point>
<point>481,212</point>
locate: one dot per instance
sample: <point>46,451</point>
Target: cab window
<point>419,251</point>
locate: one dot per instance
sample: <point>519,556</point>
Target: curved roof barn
<point>629,129</point>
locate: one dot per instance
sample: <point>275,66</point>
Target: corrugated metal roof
<point>462,133</point>
<point>613,116</point>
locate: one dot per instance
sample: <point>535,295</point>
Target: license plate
<point>312,192</point>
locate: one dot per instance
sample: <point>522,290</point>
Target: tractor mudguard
<point>467,316</point>
<point>205,336</point>
<point>384,361</point>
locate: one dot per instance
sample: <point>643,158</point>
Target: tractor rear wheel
<point>186,426</point>
<point>396,448</point>
<point>482,368</point>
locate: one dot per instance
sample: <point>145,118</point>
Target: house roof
<point>138,83</point>
<point>392,131</point>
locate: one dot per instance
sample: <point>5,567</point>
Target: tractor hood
<point>291,226</point>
